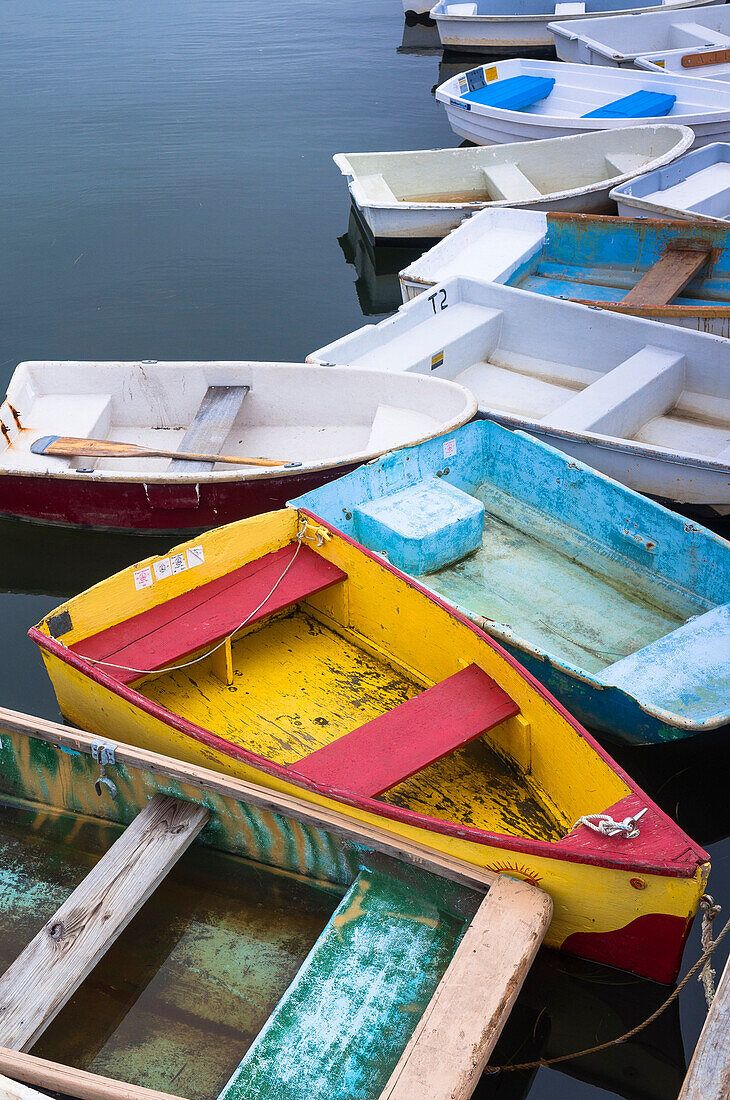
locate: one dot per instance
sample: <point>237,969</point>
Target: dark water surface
<point>168,192</point>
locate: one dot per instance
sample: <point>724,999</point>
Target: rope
<point>222,642</point>
<point>708,906</point>
<point>707,974</point>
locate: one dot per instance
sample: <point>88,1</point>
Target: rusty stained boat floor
<point>175,1003</point>
<point>298,685</point>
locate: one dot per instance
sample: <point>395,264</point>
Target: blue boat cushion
<point>512,93</point>
<point>637,105</point>
<point>423,527</point>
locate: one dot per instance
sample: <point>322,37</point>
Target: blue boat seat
<point>684,672</point>
<point>512,93</point>
<point>422,527</point>
<point>641,104</point>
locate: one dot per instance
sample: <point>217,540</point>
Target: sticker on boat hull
<point>458,103</point>
<point>195,556</point>
<point>490,73</point>
<point>162,569</point>
<point>143,578</point>
<point>449,448</point>
<point>437,360</point>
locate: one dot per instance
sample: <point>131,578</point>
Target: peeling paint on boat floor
<point>178,999</point>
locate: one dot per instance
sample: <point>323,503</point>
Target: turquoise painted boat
<point>201,937</point>
<point>617,605</point>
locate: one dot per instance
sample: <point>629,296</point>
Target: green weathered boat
<point>169,931</point>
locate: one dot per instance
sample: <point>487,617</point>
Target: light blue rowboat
<point>616,604</point>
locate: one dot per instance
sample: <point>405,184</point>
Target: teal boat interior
<point>570,570</point>
<point>274,959</point>
<point>601,259</point>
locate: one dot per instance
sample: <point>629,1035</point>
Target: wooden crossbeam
<point>210,426</point>
<point>453,1039</point>
<point>37,985</point>
<point>712,57</point>
<point>667,277</point>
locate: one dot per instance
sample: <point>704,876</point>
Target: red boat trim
<point>687,868</point>
<point>651,945</point>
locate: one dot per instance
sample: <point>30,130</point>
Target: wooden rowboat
<point>618,41</point>
<point>675,272</point>
<point>358,689</point>
<point>421,195</point>
<point>293,955</point>
<point>640,651</point>
<point>321,423</point>
<point>523,99</point>
<point>648,406</point>
<point>494,27</point>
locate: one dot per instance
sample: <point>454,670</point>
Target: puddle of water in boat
<point>178,999</point>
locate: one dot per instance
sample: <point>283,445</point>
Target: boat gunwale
<point>685,866</point>
<point>604,13</point>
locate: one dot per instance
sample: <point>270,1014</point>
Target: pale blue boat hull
<point>614,603</point>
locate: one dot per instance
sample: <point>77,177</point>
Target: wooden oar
<point>68,446</point>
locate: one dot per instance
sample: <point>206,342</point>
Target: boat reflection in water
<point>377,285</point>
<point>420,37</point>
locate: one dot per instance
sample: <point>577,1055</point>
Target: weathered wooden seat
<point>210,426</point>
<point>164,634</point>
<point>396,745</point>
<point>668,276</point>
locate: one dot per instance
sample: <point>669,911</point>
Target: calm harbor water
<point>168,193</point>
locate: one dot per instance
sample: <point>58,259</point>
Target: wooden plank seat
<point>641,104</point>
<point>210,427</point>
<point>40,981</point>
<point>668,276</point>
<point>396,745</point>
<point>164,634</point>
<point>512,93</point>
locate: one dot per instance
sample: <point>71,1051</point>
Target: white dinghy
<point>173,446</point>
<point>646,403</point>
<point>508,26</point>
<point>694,188</point>
<point>422,195</point>
<point>617,41</point>
<point>521,100</point>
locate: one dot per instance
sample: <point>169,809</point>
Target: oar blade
<point>69,446</point>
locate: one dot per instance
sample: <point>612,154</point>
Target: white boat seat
<point>376,189</point>
<point>622,164</point>
<point>422,527</point>
<point>393,425</point>
<point>461,9</point>
<point>623,400</point>
<point>507,181</point>
<point>570,9</point>
<point>697,34</point>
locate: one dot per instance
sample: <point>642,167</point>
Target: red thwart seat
<point>165,634</point>
<point>396,745</point>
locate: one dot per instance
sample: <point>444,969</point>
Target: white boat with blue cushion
<point>421,195</point>
<point>617,41</point>
<point>617,605</point>
<point>510,26</point>
<point>694,188</point>
<point>648,404</point>
<point>675,272</point>
<point>522,99</point>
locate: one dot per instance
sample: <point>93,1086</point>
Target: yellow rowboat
<point>282,652</point>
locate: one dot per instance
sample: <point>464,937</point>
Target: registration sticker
<point>178,564</point>
<point>463,85</point>
<point>437,360</point>
<point>449,448</point>
<point>162,569</point>
<point>458,103</point>
<point>195,556</point>
<point>490,73</point>
<point>143,578</point>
